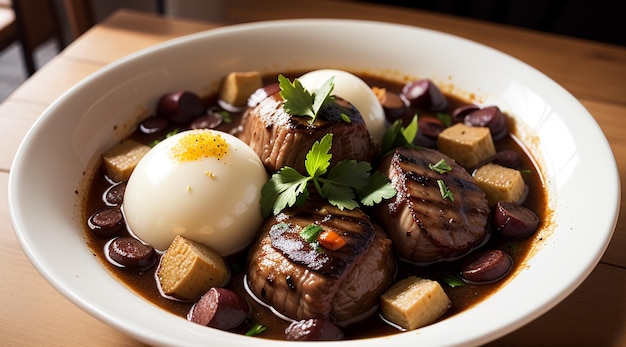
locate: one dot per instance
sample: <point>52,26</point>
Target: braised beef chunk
<point>281,139</point>
<point>303,280</point>
<point>424,223</point>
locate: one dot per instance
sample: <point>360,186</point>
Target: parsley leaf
<point>170,134</point>
<point>410,131</point>
<point>282,190</point>
<point>256,330</point>
<point>377,188</point>
<point>300,102</point>
<point>452,280</point>
<point>441,167</point>
<point>445,118</point>
<point>398,136</point>
<point>318,158</point>
<point>444,190</point>
<point>350,173</point>
<point>340,185</point>
<point>322,96</point>
<point>339,195</point>
<point>226,116</point>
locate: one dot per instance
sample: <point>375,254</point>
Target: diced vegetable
<point>500,183</point>
<point>469,146</point>
<point>331,240</point>
<point>120,161</point>
<point>414,302</point>
<point>188,269</point>
<point>238,86</point>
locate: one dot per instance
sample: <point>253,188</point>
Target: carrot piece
<point>331,240</point>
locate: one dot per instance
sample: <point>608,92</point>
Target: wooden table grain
<point>33,313</point>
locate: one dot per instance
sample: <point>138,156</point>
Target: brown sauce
<point>462,297</point>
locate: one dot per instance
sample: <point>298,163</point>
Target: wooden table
<point>33,313</point>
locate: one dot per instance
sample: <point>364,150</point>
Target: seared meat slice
<point>280,139</point>
<point>424,226</point>
<point>303,281</point>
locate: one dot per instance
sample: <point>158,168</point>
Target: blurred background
<point>56,24</point>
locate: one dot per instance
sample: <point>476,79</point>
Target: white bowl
<point>48,172</point>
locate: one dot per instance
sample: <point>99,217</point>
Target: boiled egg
<point>354,90</point>
<point>204,185</point>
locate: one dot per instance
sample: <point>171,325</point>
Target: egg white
<point>354,90</point>
<point>212,201</point>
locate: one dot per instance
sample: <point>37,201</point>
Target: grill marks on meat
<point>357,231</point>
<point>424,226</point>
<point>280,139</point>
<point>300,282</point>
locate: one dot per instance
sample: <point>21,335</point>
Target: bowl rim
<point>135,331</point>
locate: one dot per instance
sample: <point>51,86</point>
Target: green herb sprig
<point>398,136</point>
<point>452,280</point>
<point>256,329</point>
<point>446,193</point>
<point>340,185</point>
<point>300,102</point>
<point>441,167</point>
<point>170,134</point>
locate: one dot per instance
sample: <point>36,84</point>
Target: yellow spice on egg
<point>199,145</point>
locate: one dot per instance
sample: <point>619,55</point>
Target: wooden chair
<point>34,22</point>
<point>80,16</point>
<point>8,28</point>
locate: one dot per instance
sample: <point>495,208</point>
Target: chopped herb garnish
<point>170,134</point>
<point>300,102</point>
<point>441,167</point>
<point>525,171</point>
<point>398,136</point>
<point>340,185</point>
<point>513,246</point>
<point>346,118</point>
<point>445,118</point>
<point>444,190</point>
<point>256,330</point>
<point>452,281</point>
<point>376,189</point>
<point>226,116</point>
<point>310,232</point>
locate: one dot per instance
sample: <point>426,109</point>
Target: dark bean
<point>210,120</point>
<point>490,117</point>
<point>486,267</point>
<point>425,95</point>
<point>424,141</point>
<point>106,222</point>
<point>180,107</point>
<point>459,113</point>
<point>262,93</point>
<point>219,308</point>
<point>114,196</point>
<point>514,221</point>
<point>313,330</point>
<point>508,158</point>
<point>395,106</point>
<point>130,253</point>
<point>430,127</point>
<point>153,124</point>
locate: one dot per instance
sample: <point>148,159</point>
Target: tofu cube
<point>500,183</point>
<point>238,86</point>
<point>467,145</point>
<point>188,269</point>
<point>120,161</point>
<point>414,302</point>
